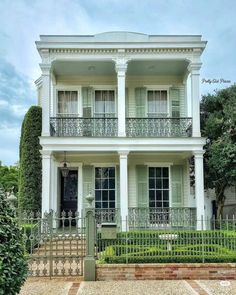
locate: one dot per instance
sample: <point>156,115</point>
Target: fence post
<point>89,260</point>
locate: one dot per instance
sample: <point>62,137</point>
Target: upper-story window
<point>104,103</point>
<point>157,105</point>
<point>67,102</point>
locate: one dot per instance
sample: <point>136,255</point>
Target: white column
<point>199,189</point>
<point>45,99</point>
<point>194,69</point>
<point>124,189</point>
<point>121,70</point>
<point>46,181</point>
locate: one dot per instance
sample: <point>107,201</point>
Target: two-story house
<point>119,123</point>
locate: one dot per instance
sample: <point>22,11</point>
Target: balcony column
<point>46,181</point>
<point>121,67</point>
<point>194,69</point>
<point>199,190</point>
<point>124,189</point>
<point>46,99</point>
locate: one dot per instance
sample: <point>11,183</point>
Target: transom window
<point>104,103</point>
<point>105,187</point>
<point>67,102</point>
<point>157,103</point>
<point>158,187</point>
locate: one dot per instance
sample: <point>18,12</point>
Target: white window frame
<point>69,88</point>
<point>159,88</point>
<point>106,165</point>
<point>104,88</point>
<point>161,165</point>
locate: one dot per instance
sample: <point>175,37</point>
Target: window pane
<point>104,183</point>
<point>98,205</point>
<point>165,172</point>
<point>105,195</point>
<point>97,195</point>
<point>98,172</point>
<point>158,172</point>
<point>112,195</point>
<point>98,184</point>
<point>159,183</point>
<point>152,204</point>
<point>105,173</point>
<point>159,204</point>
<point>67,102</point>
<point>165,195</point>
<point>111,172</point>
<point>112,205</point>
<point>151,172</point>
<point>105,205</point>
<point>151,183</point>
<point>111,183</point>
<point>166,183</point>
<point>159,195</point>
<point>166,204</point>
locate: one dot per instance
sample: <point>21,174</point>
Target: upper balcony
<point>120,84</point>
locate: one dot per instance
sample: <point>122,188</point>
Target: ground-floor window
<point>105,187</point>
<point>158,187</point>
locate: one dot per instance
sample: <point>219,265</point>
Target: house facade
<point>118,117</point>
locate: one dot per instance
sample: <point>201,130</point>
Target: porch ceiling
<point>135,68</point>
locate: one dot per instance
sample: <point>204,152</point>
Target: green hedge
<point>31,236</point>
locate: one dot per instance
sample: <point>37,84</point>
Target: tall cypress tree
<point>30,176</point>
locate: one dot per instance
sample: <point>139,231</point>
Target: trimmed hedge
<point>13,263</point>
<point>30,176</point>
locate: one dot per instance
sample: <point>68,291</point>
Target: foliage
<point>218,123</point>
<point>13,264</point>
<point>30,183</point>
<point>9,178</point>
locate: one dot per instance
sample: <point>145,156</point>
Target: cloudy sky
<point>22,21</point>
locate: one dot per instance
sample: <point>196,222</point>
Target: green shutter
<point>88,185</point>
<point>117,186</point>
<point>140,101</point>
<point>87,93</point>
<point>175,102</point>
<point>177,186</point>
<point>126,102</point>
<point>142,185</point>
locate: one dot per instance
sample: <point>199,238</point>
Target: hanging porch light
<point>65,169</point>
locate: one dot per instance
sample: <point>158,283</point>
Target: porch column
<point>194,69</point>
<point>124,189</point>
<point>45,99</point>
<point>46,181</point>
<point>121,67</point>
<point>199,189</point>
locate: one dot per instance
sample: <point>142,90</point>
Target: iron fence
<point>170,245</point>
<point>55,243</point>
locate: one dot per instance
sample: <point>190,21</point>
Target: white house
<point>117,114</point>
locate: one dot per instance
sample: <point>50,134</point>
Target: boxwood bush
<point>13,263</point>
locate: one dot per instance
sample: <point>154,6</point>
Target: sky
<point>22,21</point>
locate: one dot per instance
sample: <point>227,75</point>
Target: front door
<point>69,192</point>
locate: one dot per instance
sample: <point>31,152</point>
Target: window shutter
<point>175,102</point>
<point>142,185</point>
<point>177,185</point>
<point>117,186</point>
<point>140,101</point>
<point>88,185</point>
<point>87,93</point>
<point>126,102</point>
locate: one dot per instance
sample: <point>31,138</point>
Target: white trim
<point>158,164</point>
<point>68,88</point>
<point>104,164</point>
<point>158,87</point>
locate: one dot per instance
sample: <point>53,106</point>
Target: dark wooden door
<point>69,192</point>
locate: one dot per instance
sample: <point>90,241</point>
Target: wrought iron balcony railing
<point>89,127</point>
<point>159,127</point>
<point>107,216</point>
<point>162,217</point>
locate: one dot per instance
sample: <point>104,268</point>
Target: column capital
<point>194,68</point>
<point>45,68</point>
<point>46,154</point>
<point>123,154</point>
<point>198,154</point>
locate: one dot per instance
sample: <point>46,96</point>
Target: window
<point>105,187</point>
<point>157,103</point>
<point>104,103</point>
<point>67,102</point>
<point>158,187</point>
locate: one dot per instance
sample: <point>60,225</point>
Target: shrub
<point>13,263</point>
<point>30,183</point>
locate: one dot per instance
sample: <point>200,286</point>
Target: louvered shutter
<point>87,93</point>
<point>177,185</point>
<point>142,185</point>
<point>175,102</point>
<point>140,102</point>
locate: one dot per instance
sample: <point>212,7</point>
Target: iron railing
<point>88,127</point>
<point>107,216</point>
<point>146,218</point>
<point>159,127</point>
